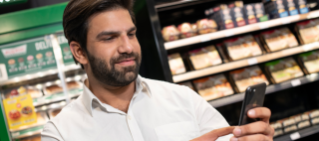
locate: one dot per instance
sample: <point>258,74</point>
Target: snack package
<point>52,89</point>
<point>276,8</point>
<point>170,33</point>
<point>303,124</point>
<point>260,12</point>
<point>32,90</point>
<point>278,132</point>
<point>302,6</point>
<point>242,47</point>
<point>205,57</point>
<point>276,125</point>
<point>248,76</point>
<point>206,26</point>
<point>188,84</point>
<point>290,128</point>
<point>238,15</point>
<point>176,64</point>
<point>224,18</point>
<point>284,69</point>
<point>213,87</point>
<point>236,4</point>
<point>250,14</point>
<point>292,7</point>
<point>314,113</point>
<point>315,121</point>
<point>311,61</point>
<point>278,39</point>
<point>187,30</point>
<point>308,31</point>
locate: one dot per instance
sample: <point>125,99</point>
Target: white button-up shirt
<point>158,111</point>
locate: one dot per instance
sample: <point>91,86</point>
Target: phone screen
<point>254,97</point>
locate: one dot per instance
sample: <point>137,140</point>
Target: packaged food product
<point>32,90</point>
<point>224,18</point>
<point>176,64</point>
<point>315,120</point>
<point>288,121</point>
<point>276,125</point>
<point>278,39</point>
<point>276,9</point>
<point>238,16</point>
<point>284,69</point>
<point>309,31</point>
<point>236,4</point>
<point>292,7</point>
<point>170,33</point>
<point>188,84</point>
<point>205,57</point>
<point>311,61</point>
<point>304,116</point>
<point>242,47</point>
<point>53,89</point>
<point>213,87</point>
<point>186,30</point>
<point>278,132</point>
<point>247,77</point>
<point>303,124</point>
<point>206,26</point>
<point>260,12</point>
<point>290,128</point>
<point>314,114</point>
<point>302,6</point>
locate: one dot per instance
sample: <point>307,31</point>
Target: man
<point>119,105</point>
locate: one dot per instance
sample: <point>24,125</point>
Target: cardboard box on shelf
<point>176,64</point>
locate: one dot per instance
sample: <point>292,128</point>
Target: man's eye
<point>108,39</point>
<point>131,34</point>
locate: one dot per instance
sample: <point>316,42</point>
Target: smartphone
<point>254,97</point>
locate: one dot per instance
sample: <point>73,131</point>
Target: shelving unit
<point>299,134</point>
<point>239,30</point>
<point>270,90</point>
<point>245,62</point>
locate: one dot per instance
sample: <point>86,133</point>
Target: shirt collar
<point>90,101</point>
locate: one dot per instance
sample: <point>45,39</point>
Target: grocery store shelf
<point>162,6</point>
<point>299,134</point>
<point>41,74</point>
<point>27,132</point>
<point>245,62</point>
<point>239,30</point>
<point>270,89</point>
<point>54,100</point>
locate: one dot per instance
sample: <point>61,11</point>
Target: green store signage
<point>31,56</point>
<point>10,2</point>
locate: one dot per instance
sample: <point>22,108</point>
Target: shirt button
<point>128,117</point>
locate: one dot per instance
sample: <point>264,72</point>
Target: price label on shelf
<point>228,33</point>
<point>295,83</point>
<point>205,39</point>
<point>308,47</point>
<point>263,25</point>
<point>285,21</point>
<point>252,61</point>
<point>295,136</point>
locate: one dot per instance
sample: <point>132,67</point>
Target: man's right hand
<point>215,134</point>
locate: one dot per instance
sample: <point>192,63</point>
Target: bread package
<point>248,76</point>
<point>309,31</point>
<point>176,64</point>
<point>206,26</point>
<point>187,30</point>
<point>278,39</point>
<point>170,33</point>
<point>284,69</point>
<point>213,87</point>
<point>53,89</point>
<point>242,47</point>
<point>311,61</point>
<point>205,57</point>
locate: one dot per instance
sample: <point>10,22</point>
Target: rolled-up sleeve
<point>51,133</point>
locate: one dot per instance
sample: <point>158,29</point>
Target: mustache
<point>122,57</point>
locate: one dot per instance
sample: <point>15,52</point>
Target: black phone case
<point>254,97</point>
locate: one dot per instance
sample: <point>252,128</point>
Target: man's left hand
<point>256,131</point>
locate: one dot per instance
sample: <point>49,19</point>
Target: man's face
<point>113,50</point>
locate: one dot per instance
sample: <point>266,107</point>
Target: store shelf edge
<point>270,90</point>
<point>245,62</point>
<point>303,133</point>
<point>240,30</point>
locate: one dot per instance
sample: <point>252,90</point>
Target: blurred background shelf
<point>299,134</point>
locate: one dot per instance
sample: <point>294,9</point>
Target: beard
<point>112,76</point>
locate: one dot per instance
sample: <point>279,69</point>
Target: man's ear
<point>78,53</point>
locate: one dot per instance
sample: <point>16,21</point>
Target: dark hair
<point>78,12</point>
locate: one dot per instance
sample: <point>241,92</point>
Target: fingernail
<point>234,139</point>
<point>252,112</point>
<point>237,131</point>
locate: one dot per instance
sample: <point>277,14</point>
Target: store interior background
<point>285,99</point>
